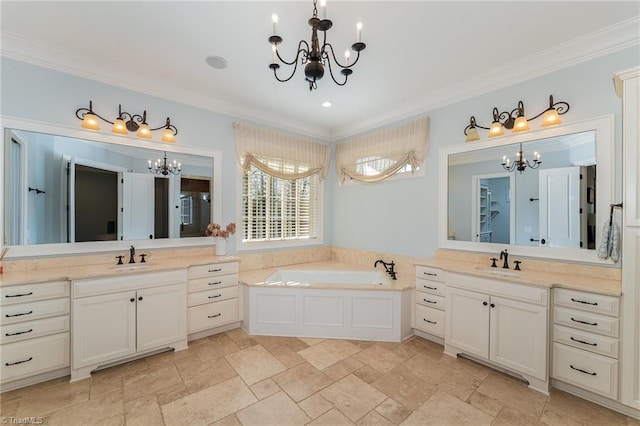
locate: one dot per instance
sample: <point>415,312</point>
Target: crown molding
<point>63,60</point>
<point>594,45</point>
<point>591,46</point>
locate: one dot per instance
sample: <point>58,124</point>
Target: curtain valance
<point>280,155</point>
<point>378,156</point>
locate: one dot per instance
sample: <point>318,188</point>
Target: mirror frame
<point>65,249</point>
<point>605,190</point>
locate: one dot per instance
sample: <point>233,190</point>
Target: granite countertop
<point>259,277</point>
<point>106,270</point>
<point>540,278</point>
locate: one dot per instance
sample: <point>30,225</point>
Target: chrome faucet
<point>132,255</point>
<point>504,254</point>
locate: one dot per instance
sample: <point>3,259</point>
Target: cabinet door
<point>103,328</point>
<point>162,316</point>
<point>467,324</point>
<point>519,336</point>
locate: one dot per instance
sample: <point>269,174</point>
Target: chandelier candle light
<point>315,57</point>
<point>521,163</point>
<point>125,123</point>
<point>515,120</point>
<point>162,167</point>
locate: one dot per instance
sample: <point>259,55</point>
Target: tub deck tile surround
<point>410,389</point>
<point>583,277</point>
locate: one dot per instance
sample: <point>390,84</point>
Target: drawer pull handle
<point>430,288</point>
<point>214,296</point>
<point>583,342</point>
<point>17,333</point>
<point>18,315</point>
<point>583,302</point>
<point>430,301</point>
<point>429,321</point>
<point>584,322</point>
<point>431,274</point>
<point>215,270</point>
<point>213,316</point>
<point>215,283</point>
<point>19,295</point>
<point>582,371</point>
<point>18,362</point>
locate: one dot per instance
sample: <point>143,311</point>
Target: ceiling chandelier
<point>125,123</point>
<point>161,167</point>
<point>315,57</point>
<point>520,163</point>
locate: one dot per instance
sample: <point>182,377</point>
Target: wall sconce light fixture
<point>516,121</point>
<point>521,163</point>
<point>125,123</point>
<point>164,168</point>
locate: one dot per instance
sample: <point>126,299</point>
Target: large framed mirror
<point>73,191</point>
<point>553,208</point>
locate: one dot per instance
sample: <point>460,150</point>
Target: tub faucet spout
<point>132,254</point>
<point>389,267</point>
<point>505,255</point>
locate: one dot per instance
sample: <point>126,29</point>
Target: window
<point>276,209</point>
<point>375,165</point>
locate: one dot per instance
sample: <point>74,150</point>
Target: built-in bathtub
<point>327,303</point>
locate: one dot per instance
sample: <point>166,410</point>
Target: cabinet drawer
<point>30,329</point>
<point>430,300</point>
<point>591,302</point>
<point>213,270</point>
<point>214,295</point>
<point>584,340</point>
<point>34,356</point>
<point>208,283</point>
<point>429,286</point>
<point>590,371</point>
<point>430,273</point>
<point>430,320</point>
<point>30,292</point>
<point>212,315</point>
<point>35,310</point>
<point>586,321</point>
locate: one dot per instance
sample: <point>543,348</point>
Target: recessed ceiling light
<point>217,62</point>
<point>327,104</point>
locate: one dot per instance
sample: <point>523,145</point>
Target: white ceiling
<point>420,55</point>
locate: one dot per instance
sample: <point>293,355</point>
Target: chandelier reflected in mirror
<point>521,163</point>
<point>315,57</point>
<point>162,167</point>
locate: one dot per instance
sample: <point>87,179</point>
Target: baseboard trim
<point>212,331</point>
<point>596,399</point>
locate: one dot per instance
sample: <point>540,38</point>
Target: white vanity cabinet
<point>34,339</point>
<point>213,297</point>
<point>500,322</point>
<point>118,317</point>
<point>430,300</point>
<point>585,341</point>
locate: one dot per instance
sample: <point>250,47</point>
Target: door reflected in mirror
<point>550,206</point>
<point>60,189</point>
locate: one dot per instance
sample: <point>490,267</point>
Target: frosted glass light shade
<point>496,129</point>
<point>550,118</point>
<point>520,125</point>
<point>119,127</point>
<point>90,122</point>
<point>144,131</point>
<point>168,136</point>
<point>472,135</point>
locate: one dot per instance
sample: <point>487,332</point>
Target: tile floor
<point>233,379</point>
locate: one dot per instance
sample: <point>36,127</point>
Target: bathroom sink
<point>500,272</point>
<point>133,267</point>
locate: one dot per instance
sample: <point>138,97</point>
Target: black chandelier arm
<point>333,54</point>
<point>275,68</point>
<point>346,76</point>
<point>301,50</point>
<point>82,112</point>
